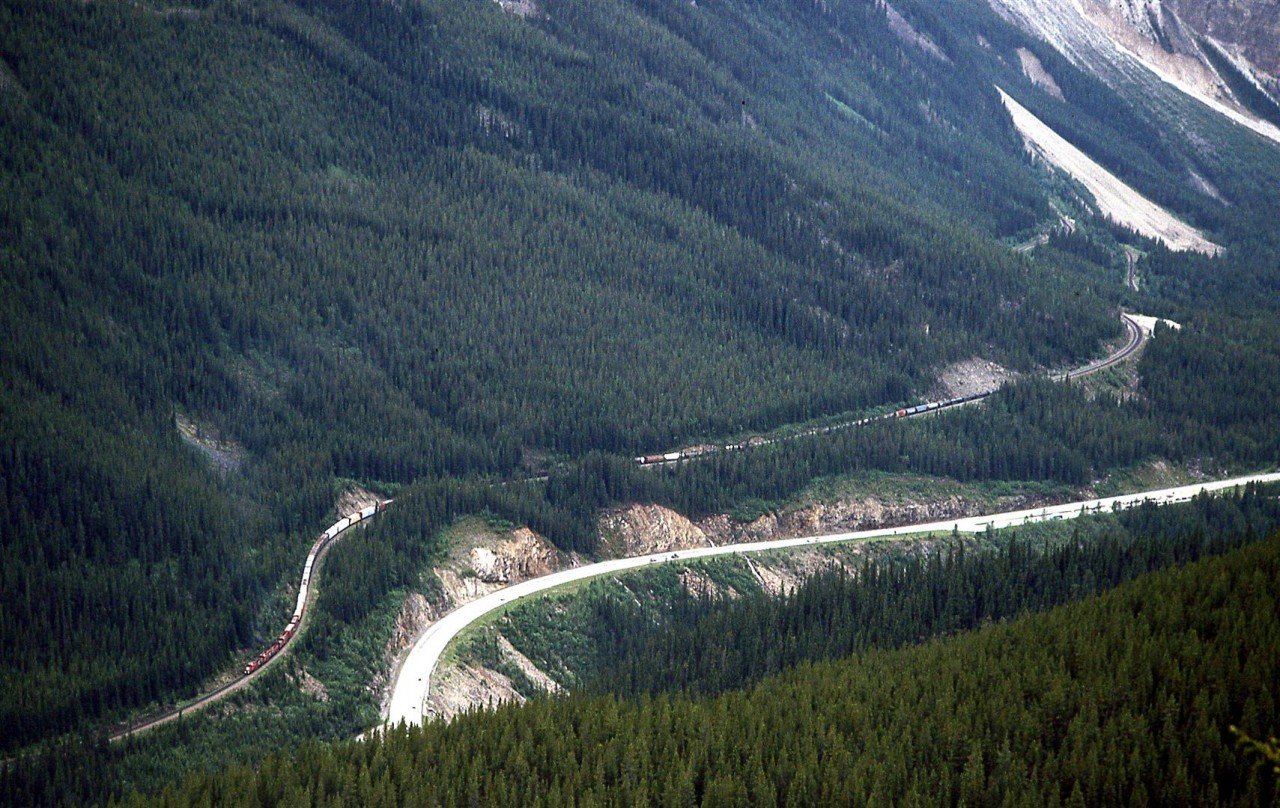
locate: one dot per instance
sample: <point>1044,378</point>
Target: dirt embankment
<point>480,560</point>
<point>644,529</point>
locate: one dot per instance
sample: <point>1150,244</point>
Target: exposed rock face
<point>699,584</point>
<point>1130,41</point>
<point>1035,71</point>
<point>527,667</point>
<point>458,688</point>
<point>224,455</point>
<point>974,375</point>
<point>1249,27</point>
<point>483,563</point>
<point>904,31</point>
<point>312,686</point>
<point>355,499</point>
<point>520,8</point>
<point>415,615</point>
<point>524,555</point>
<point>641,529</point>
<point>836,517</point>
<point>455,689</point>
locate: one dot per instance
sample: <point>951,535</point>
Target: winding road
<point>413,680</point>
<point>409,707</point>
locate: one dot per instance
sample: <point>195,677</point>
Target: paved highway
<point>413,681</point>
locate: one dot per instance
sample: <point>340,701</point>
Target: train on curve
<point>906,412</point>
<point>322,542</point>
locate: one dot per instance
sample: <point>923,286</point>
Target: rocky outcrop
<point>1248,27</point>
<point>455,689</point>
<point>355,499</point>
<point>525,555</point>
<point>310,685</point>
<point>1035,71</point>
<point>700,585</point>
<point>526,666</point>
<point>415,615</point>
<point>224,455</point>
<point>836,517</point>
<point>642,529</point>
<point>1182,42</point>
<point>975,375</point>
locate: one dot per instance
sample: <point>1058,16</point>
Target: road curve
<point>413,680</point>
<point>1135,342</point>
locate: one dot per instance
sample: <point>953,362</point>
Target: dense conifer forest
<point>478,261</point>
<point>610,641</point>
<point>1124,699</point>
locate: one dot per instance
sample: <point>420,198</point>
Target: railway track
<point>310,571</point>
<point>1136,339</point>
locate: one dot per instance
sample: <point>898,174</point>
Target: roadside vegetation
<point>1123,698</point>
<point>447,254</point>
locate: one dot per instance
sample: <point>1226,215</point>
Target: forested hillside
<point>429,246</point>
<point>1123,699</point>
<point>650,635</point>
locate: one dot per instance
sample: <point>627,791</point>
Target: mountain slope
<point>1127,41</point>
<point>1121,699</point>
<point>410,243</point>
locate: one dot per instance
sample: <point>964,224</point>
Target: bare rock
<point>641,529</point>
<point>415,615</point>
<point>312,686</point>
<point>355,499</point>
<point>526,666</point>
<point>459,689</point>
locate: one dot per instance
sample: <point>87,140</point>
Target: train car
<point>295,622</point>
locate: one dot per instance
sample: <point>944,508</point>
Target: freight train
<point>322,542</point>
<point>906,412</point>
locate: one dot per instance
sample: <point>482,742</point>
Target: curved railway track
<point>1136,338</point>
<point>308,591</point>
<point>256,667</point>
